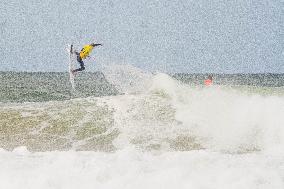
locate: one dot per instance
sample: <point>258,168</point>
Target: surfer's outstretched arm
<point>97,44</point>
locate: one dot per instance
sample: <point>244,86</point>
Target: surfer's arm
<point>97,44</point>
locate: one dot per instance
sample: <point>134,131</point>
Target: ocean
<point>127,128</point>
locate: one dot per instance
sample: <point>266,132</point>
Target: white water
<point>127,78</point>
<point>217,119</point>
<point>198,138</point>
<point>131,168</point>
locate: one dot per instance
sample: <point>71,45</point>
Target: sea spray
<point>127,78</point>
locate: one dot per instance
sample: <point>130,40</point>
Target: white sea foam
<point>217,118</point>
<point>130,168</point>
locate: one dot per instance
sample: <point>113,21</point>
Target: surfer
<point>208,81</point>
<point>83,54</point>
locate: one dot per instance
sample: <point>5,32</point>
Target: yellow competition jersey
<point>86,51</point>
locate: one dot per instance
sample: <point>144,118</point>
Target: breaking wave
<point>166,115</point>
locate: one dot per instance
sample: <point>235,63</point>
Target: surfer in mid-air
<point>83,54</point>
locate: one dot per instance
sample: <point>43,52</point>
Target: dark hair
<point>210,77</point>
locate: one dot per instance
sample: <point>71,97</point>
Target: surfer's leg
<point>82,67</point>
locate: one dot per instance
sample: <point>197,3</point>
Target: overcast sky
<point>169,36</point>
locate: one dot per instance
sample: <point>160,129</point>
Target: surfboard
<point>71,62</point>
